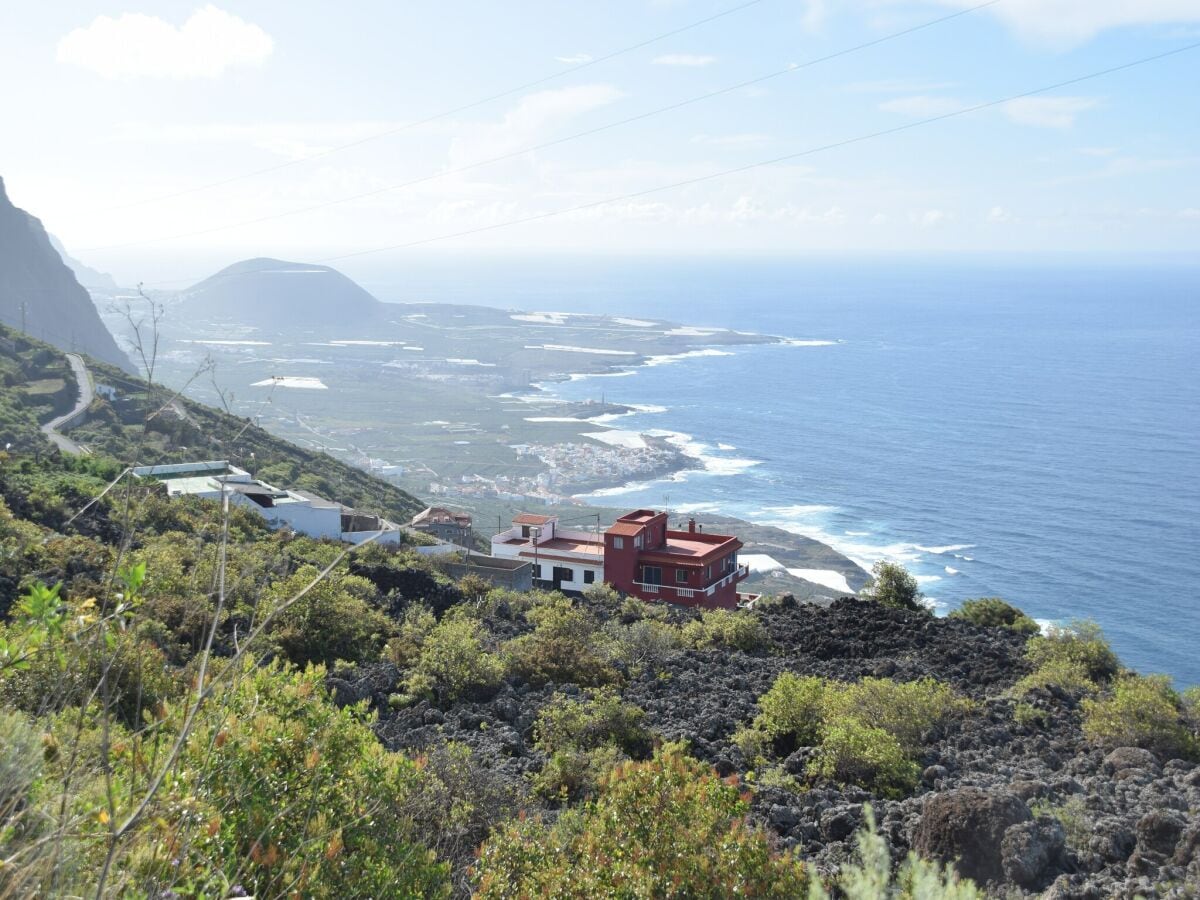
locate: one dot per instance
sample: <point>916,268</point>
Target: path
<point>86,394</point>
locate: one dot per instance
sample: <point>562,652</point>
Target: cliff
<point>39,292</point>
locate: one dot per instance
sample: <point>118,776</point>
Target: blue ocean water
<point>1025,431</point>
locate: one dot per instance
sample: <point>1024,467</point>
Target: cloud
<point>998,214</point>
<point>291,140</point>
<point>1048,112</point>
<point>898,86</point>
<point>931,218</point>
<point>574,59</point>
<point>731,140</point>
<point>921,106</point>
<point>690,60</point>
<point>133,45</point>
<point>1068,23</point>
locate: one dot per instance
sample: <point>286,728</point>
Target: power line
<point>671,107</point>
<point>442,115</point>
<point>862,138</point>
<point>775,160</point>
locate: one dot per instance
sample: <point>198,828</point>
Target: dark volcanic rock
<point>1032,852</point>
<point>966,827</point>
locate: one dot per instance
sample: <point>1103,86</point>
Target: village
<point>639,555</point>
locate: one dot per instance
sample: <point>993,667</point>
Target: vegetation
<point>892,585</point>
<point>995,613</point>
<point>722,628</point>
<point>667,827</point>
<point>867,732</point>
<point>1143,711</point>
<point>1073,659</point>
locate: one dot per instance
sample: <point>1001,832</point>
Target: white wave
<point>669,358</point>
<point>568,348</point>
<point>230,343</point>
<point>698,450</point>
<point>796,342</point>
<point>411,347</point>
<point>617,438</point>
<point>689,508</point>
<point>965,558</point>
<point>459,361</point>
<point>725,447</point>
<point>825,577</point>
<point>856,533</point>
<point>582,376</point>
<point>760,562</point>
<point>949,548</point>
<point>633,323</point>
<point>649,408</point>
<point>693,331</point>
<point>951,571</point>
<point>551,419</point>
<point>1048,625</point>
<point>927,579</point>
<point>368,343</point>
<point>292,381</point>
<point>542,318</point>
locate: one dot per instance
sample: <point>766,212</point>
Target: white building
<point>565,559</point>
<point>301,511</point>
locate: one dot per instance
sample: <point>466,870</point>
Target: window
<point>537,571</point>
<point>524,531</point>
<point>681,576</point>
<point>651,575</point>
<point>618,543</point>
<point>562,575</point>
<point>708,573</point>
<point>637,542</point>
<point>589,577</point>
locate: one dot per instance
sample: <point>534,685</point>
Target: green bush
<point>602,719</point>
<point>726,629</point>
<point>1080,645</point>
<point>1073,815</point>
<point>1061,675</point>
<point>892,585</point>
<point>415,626</point>
<point>793,709</point>
<point>455,662</point>
<point>872,758</point>
<point>562,646</point>
<point>573,774</point>
<point>668,827</point>
<point>641,645</point>
<point>907,710</point>
<point>1142,711</point>
<point>333,621</point>
<point>993,612</point>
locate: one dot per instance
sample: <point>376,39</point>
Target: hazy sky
<point>108,104</point>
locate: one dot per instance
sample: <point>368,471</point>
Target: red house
<point>643,557</point>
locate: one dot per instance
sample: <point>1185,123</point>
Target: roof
<point>567,545</point>
<point>625,529</point>
<point>682,546</point>
<point>533,519</point>
<point>317,502</point>
<point>440,515</point>
<point>192,469</point>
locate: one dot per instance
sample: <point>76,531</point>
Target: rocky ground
<point>1027,810</point>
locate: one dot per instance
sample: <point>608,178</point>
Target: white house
<point>562,558</point>
<point>301,511</point>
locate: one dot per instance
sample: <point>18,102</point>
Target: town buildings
<point>445,525</point>
<point>639,555</point>
<point>301,511</point>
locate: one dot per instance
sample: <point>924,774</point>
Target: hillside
<point>270,293</point>
<point>84,274</point>
<point>39,291</point>
<point>127,429</point>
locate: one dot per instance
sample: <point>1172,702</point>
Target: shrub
<point>641,645</point>
<point>907,710</point>
<point>872,758</point>
<point>1081,645</point>
<point>1074,817</point>
<point>1142,711</point>
<point>605,596</point>
<point>722,628</point>
<point>600,720</point>
<point>333,621</point>
<point>561,647</point>
<point>793,709</point>
<point>1058,676</point>
<point>572,774</point>
<point>892,585</point>
<point>993,612</point>
<point>292,794</point>
<point>668,827</point>
<point>415,626</point>
<point>453,660</point>
<point>1028,716</point>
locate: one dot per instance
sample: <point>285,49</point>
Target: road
<point>86,394</point>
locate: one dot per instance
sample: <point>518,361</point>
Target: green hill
<point>146,425</point>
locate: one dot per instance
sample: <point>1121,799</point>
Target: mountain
<point>270,293</point>
<point>40,294</point>
<point>85,274</point>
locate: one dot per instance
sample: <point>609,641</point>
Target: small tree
<point>892,585</point>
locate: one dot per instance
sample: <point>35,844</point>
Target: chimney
<point>691,526</point>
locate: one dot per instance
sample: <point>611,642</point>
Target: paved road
<point>51,428</point>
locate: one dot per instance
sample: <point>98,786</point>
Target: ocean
<point>1025,430</point>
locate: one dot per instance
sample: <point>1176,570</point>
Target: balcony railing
<point>742,571</point>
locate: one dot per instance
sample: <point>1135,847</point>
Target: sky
<point>161,140</point>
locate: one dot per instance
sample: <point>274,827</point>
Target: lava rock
<point>966,827</point>
<point>1033,850</point>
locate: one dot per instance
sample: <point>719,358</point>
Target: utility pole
<point>23,317</point>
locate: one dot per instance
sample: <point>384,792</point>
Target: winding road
<point>86,394</point>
